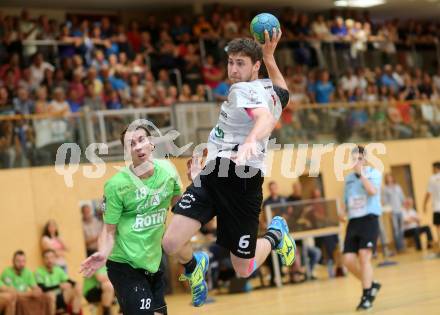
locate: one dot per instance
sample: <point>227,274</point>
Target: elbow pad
<point>283,94</point>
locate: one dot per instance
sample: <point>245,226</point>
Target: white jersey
<point>434,190</point>
<point>235,124</point>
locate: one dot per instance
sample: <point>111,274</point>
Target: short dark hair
<point>137,128</point>
<point>19,253</point>
<point>245,46</point>
<point>46,251</point>
<point>436,165</point>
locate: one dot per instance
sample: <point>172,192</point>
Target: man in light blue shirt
<point>363,207</point>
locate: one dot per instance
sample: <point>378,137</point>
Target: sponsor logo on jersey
<point>219,133</point>
<point>149,220</point>
<point>224,114</point>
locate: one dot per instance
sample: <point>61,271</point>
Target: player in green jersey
<point>136,202</point>
<point>21,282</point>
<point>98,289</point>
<point>55,283</point>
<point>8,300</point>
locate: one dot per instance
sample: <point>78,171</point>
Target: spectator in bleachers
<point>41,103</point>
<point>114,101</point>
<point>8,144</point>
<point>60,81</point>
<point>426,86</point>
<point>388,80</point>
<point>11,37</point>
<point>21,281</point>
<point>202,28</point>
<point>338,29</point>
<point>14,66</point>
<point>52,240</point>
<point>59,105</point>
<point>55,284</point>
<point>412,226</point>
<point>185,95</point>
<point>430,116</point>
<point>92,228</point>
<point>93,100</point>
<point>349,82</point>
<point>220,92</point>
<point>37,68</point>
<point>392,196</point>
<point>74,101</point>
<point>200,95</point>
<point>135,89</point>
<point>98,289</point>
<point>99,61</point>
<point>192,67</point>
<point>212,73</point>
<point>323,90</point>
<point>388,36</point>
<point>399,76</point>
<point>6,107</point>
<point>134,36</point>
<point>8,299</point>
<point>29,31</point>
<point>22,103</point>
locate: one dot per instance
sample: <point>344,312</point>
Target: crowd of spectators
<point>103,64</point>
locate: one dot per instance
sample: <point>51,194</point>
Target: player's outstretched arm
<point>105,245</point>
<point>269,47</point>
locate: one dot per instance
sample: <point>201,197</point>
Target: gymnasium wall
<point>29,197</point>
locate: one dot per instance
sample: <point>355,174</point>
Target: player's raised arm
<point>268,48</point>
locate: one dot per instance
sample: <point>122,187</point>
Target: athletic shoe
<point>196,279</point>
<point>375,287</point>
<point>365,304</point>
<point>286,248</point>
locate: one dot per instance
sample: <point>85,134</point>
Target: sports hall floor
<point>411,287</point>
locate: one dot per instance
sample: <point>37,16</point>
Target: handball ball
<point>262,22</point>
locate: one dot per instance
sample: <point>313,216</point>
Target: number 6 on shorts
<point>243,242</point>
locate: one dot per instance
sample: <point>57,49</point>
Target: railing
<point>33,140</point>
<point>361,121</point>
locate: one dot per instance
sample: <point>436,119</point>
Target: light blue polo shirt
<point>357,201</point>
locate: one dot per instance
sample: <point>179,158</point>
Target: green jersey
<point>92,282</point>
<point>50,279</point>
<point>22,282</point>
<point>139,208</point>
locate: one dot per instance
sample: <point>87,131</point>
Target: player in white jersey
<point>230,185</point>
<point>434,191</point>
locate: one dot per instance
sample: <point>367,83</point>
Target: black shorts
<point>59,302</point>
<point>362,233</point>
<point>94,295</point>
<point>236,202</point>
<point>436,218</point>
<point>137,290</point>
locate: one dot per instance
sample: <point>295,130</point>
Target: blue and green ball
<point>262,22</point>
